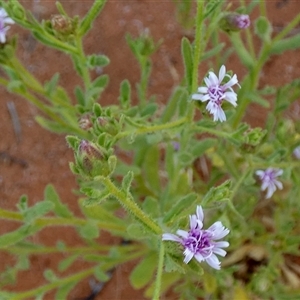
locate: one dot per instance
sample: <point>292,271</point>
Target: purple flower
<point>241,21</point>
<point>269,181</point>
<point>200,243</point>
<point>4,19</point>
<point>215,93</point>
<point>234,22</point>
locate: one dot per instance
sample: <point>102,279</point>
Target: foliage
<point>179,158</point>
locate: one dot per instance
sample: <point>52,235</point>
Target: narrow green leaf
<point>149,109</point>
<point>291,43</point>
<point>187,54</point>
<point>18,235</point>
<point>125,94</point>
<point>151,207</point>
<point>80,95</point>
<point>61,210</point>
<point>126,182</point>
<point>100,82</point>
<point>64,290</point>
<point>143,273</point>
<point>151,168</point>
<point>180,207</point>
<point>50,86</point>
<point>51,125</point>
<point>200,147</point>
<point>90,230</point>
<point>67,262</point>
<point>38,210</point>
<point>94,61</point>
<point>171,106</point>
<point>50,275</point>
<point>212,52</point>
<point>86,23</point>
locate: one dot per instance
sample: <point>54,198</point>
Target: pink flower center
<point>199,241</point>
<point>216,94</point>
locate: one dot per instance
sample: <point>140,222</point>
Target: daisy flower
<point>269,181</point>
<point>4,19</point>
<point>201,243</point>
<point>215,93</point>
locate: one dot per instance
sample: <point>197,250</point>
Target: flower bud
<point>88,153</point>
<point>93,160</point>
<point>62,24</point>
<point>234,22</point>
<point>85,122</point>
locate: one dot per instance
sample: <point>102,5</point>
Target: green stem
<point>238,184</point>
<point>128,203</point>
<point>215,132</point>
<point>56,221</point>
<point>197,55</point>
<point>159,272</point>
<point>70,250</point>
<point>84,70</point>
<point>287,29</point>
<point>56,284</point>
<point>197,43</point>
<point>150,129</point>
<point>105,266</point>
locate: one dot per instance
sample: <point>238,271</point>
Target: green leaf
<point>143,273</point>
<point>73,141</point>
<point>61,210</point>
<point>170,109</point>
<point>64,290</point>
<point>136,231</point>
<point>200,147</point>
<point>51,125</point>
<point>290,43</point>
<point>53,42</point>
<point>149,109</point>
<point>173,264</point>
<point>100,82</point>
<point>187,54</point>
<point>90,230</point>
<point>151,207</point>
<point>151,168</point>
<point>80,96</point>
<point>241,51</point>
<point>50,275</point>
<point>125,94</point>
<point>95,60</point>
<point>67,262</point>
<point>255,97</point>
<point>167,281</point>
<point>100,275</point>
<point>86,23</point>
<point>214,51</point>
<point>50,86</point>
<point>38,210</point>
<point>181,207</point>
<point>23,203</point>
<point>97,212</point>
<point>263,28</point>
<point>217,194</point>
<point>16,86</point>
<point>126,182</point>
<point>18,235</point>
